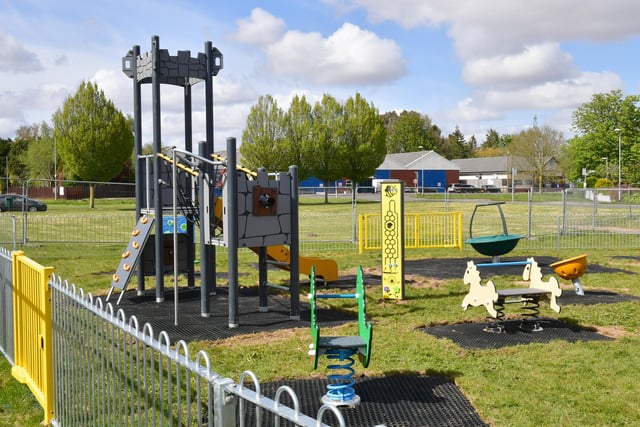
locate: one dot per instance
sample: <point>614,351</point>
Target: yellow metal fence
<point>421,230</point>
<point>32,329</point>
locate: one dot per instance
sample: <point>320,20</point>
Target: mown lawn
<point>554,384</point>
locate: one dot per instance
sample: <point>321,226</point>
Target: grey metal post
<point>232,212</point>
<point>294,260</point>
<point>262,280</point>
<point>205,268</point>
<point>157,147</point>
<point>210,250</point>
<point>188,146</point>
<point>137,142</point>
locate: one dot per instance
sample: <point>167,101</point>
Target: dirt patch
<point>613,331</point>
<point>265,337</point>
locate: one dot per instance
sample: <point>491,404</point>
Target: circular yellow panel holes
<point>126,254</point>
<point>135,232</point>
<point>144,220</point>
<point>126,267</point>
<point>116,278</point>
<point>135,245</point>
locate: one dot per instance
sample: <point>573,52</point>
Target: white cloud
<point>15,58</point>
<point>468,110</point>
<point>351,55</point>
<point>260,28</point>
<point>554,94</point>
<point>535,64</point>
<point>491,27</point>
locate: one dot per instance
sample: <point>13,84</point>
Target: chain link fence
<point>569,219</point>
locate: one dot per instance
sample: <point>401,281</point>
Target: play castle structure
<point>179,192</point>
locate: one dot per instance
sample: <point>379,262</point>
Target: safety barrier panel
<point>109,370</point>
<point>421,230</point>
<point>32,329</point>
<point>6,305</point>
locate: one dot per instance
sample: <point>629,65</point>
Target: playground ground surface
<point>397,399</point>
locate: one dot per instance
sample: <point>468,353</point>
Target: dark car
<point>463,188</point>
<point>489,189</point>
<point>14,202</point>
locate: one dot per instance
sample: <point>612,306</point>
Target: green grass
<point>554,384</point>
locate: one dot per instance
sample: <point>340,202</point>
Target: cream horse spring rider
<point>479,294</point>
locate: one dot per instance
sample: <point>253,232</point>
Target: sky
<point>472,64</point>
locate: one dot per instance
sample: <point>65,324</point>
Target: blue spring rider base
<point>341,350</point>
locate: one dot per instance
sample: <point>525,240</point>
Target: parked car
<point>489,189</point>
<point>463,188</point>
<point>14,202</point>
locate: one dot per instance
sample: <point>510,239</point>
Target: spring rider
<point>340,350</point>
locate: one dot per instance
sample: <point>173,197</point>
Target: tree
<point>263,137</point>
<point>536,151</point>
<point>408,132</point>
<point>5,148</point>
<point>595,124</point>
<point>363,148</point>
<point>297,149</point>
<point>94,138</point>
<point>327,136</point>
<point>25,135</point>
<point>456,146</point>
<point>39,157</point>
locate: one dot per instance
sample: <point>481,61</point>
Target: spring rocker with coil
<point>495,300</point>
<point>340,350</point>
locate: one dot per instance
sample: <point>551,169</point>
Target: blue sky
<point>475,64</point>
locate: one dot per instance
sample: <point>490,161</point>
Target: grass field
<point>554,384</point>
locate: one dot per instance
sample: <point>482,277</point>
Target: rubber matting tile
<point>472,335</point>
<point>591,297</point>
<point>192,326</point>
<point>391,401</point>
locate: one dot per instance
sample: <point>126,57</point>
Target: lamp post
<point>55,170</point>
<point>421,169</point>
<point>619,160</point>
<point>606,167</point>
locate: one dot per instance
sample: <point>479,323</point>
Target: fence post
<point>224,404</point>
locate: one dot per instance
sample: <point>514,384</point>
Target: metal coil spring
<point>495,324</point>
<point>340,387</point>
<point>531,308</point>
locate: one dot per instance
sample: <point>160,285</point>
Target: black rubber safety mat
<point>193,327</point>
<point>473,335</point>
<point>591,297</point>
<point>407,400</point>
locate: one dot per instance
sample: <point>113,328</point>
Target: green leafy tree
<point>492,139</point>
<point>5,148</point>
<point>40,155</point>
<point>595,124</point>
<point>536,152</point>
<point>363,148</point>
<point>93,137</point>
<point>456,146</point>
<point>25,135</point>
<point>297,142</point>
<point>327,136</point>
<point>409,131</point>
<point>264,135</point>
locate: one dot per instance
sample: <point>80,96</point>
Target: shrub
<point>603,183</point>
